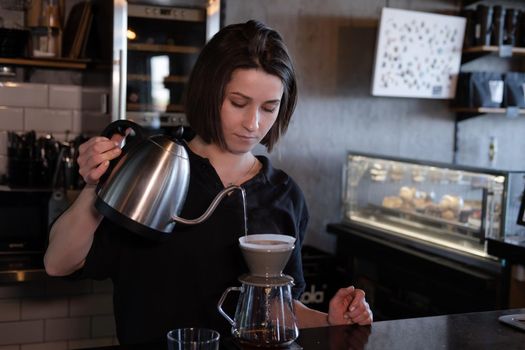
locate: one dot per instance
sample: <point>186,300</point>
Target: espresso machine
<point>264,316</point>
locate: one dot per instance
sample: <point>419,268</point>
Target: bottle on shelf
<point>498,22</point>
<point>470,28</point>
<point>510,27</point>
<point>483,25</point>
<point>44,19</point>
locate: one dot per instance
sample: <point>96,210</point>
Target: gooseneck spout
<point>212,207</point>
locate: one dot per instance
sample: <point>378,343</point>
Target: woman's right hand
<point>94,156</point>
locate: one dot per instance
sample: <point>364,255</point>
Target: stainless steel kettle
<point>144,189</point>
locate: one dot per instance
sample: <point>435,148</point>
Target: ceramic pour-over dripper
<point>266,254</point>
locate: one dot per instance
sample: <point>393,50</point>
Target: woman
<point>242,91</point>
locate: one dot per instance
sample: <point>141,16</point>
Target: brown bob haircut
<point>238,46</point>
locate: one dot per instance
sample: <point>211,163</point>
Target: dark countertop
<point>511,248</point>
<point>480,330</point>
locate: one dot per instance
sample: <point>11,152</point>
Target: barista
<point>242,91</point>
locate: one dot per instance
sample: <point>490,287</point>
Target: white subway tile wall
<point>89,343</point>
<point>90,304</point>
<point>61,345</point>
<point>64,111</point>
<point>9,347</point>
<point>3,142</point>
<point>51,120</point>
<point>11,118</point>
<point>65,97</point>
<point>89,122</point>
<point>43,308</point>
<point>22,332</point>
<point>10,310</point>
<point>3,166</point>
<point>23,95</point>
<point>56,314</point>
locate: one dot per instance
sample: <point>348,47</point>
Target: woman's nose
<point>251,120</point>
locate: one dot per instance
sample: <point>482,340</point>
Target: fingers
<point>343,297</point>
<point>94,157</point>
<point>359,297</point>
<point>344,293</point>
<point>363,315</point>
<point>348,306</point>
<point>117,138</point>
<point>358,309</point>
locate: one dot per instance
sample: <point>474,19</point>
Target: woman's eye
<point>238,104</point>
<point>270,109</point>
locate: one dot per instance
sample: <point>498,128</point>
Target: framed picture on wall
<point>418,54</point>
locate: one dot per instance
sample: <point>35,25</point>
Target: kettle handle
<point>221,301</point>
<point>120,126</point>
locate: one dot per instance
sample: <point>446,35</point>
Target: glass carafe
<point>265,311</point>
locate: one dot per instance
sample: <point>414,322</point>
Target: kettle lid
<point>169,145</point>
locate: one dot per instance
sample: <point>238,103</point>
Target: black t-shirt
<point>162,285</point>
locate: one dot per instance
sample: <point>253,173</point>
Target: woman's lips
<point>247,138</point>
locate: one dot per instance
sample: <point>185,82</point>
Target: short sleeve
<point>102,259</point>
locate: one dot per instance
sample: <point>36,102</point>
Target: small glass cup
<point>193,339</point>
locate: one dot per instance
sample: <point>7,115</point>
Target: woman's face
<point>250,107</point>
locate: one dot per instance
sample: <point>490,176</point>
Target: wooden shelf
<point>467,113</point>
<point>163,48</point>
<point>143,107</point>
<point>139,107</point>
<point>172,107</point>
<point>470,2</point>
<point>62,63</point>
<point>167,79</point>
<point>176,79</point>
<point>138,77</point>
<point>474,52</point>
<point>516,51</point>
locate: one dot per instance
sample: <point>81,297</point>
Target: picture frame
<point>418,54</point>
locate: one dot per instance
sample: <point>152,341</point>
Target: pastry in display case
<point>441,204</point>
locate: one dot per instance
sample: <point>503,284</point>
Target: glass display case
<point>436,203</point>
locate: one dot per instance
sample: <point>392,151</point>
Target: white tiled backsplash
<point>56,314</point>
<point>65,111</point>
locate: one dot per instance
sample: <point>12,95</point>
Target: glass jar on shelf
<point>44,18</point>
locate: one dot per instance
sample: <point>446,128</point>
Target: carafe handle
<point>221,301</point>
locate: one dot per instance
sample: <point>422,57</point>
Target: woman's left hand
<point>348,306</point>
